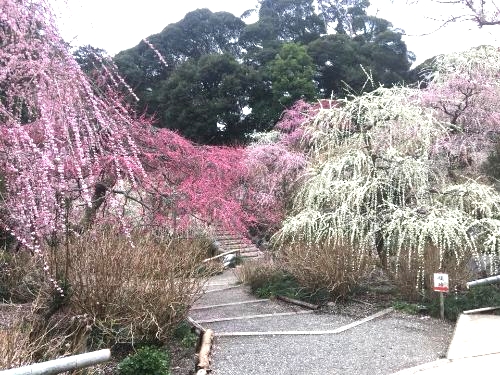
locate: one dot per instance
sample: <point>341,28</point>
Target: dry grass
<point>116,292</point>
<point>14,343</point>
<point>27,337</point>
<point>334,269</point>
<point>252,270</point>
<point>414,282</point>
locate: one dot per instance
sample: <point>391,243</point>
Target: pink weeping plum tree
<point>275,162</point>
<point>64,142</point>
<point>74,155</point>
<point>464,91</point>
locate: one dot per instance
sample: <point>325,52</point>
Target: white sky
<point>115,25</point>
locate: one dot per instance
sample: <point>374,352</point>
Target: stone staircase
<point>226,241</point>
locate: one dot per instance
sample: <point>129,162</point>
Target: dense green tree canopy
<point>204,99</point>
<point>290,20</point>
<point>307,49</point>
<point>199,33</point>
<point>87,56</point>
<point>343,15</point>
<point>292,74</point>
<point>342,62</point>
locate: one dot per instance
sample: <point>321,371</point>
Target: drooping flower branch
<point>381,180</point>
<point>158,54</point>
<point>73,154</point>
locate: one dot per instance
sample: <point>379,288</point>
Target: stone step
<point>235,245</point>
<point>239,309</point>
<point>209,307</point>
<point>224,295</point>
<point>252,254</point>
<point>230,237</point>
<point>226,235</point>
<point>242,249</point>
<point>227,278</point>
<point>298,322</point>
<point>219,288</point>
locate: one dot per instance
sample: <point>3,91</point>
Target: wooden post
<point>441,285</point>
<point>204,354</point>
<point>441,305</point>
<point>298,303</point>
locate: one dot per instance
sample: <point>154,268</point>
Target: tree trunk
<point>381,252</point>
<point>100,190</point>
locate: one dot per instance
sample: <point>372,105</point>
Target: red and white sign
<point>441,283</point>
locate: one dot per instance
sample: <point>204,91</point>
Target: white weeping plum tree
<point>384,180</point>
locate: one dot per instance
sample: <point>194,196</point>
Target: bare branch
<point>481,12</point>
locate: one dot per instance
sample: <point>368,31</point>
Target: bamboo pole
<point>221,255</point>
<point>59,365</point>
<point>487,281</point>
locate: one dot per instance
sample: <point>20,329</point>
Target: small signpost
<point>441,285</point>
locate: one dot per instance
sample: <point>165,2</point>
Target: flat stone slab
<point>487,364</point>
<point>226,278</point>
<point>475,335</point>
<point>218,288</point>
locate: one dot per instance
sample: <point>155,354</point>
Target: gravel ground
<point>311,322</point>
<point>381,346</point>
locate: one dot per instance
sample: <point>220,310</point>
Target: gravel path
<point>384,345</point>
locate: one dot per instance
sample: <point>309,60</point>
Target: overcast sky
<point>115,25</point>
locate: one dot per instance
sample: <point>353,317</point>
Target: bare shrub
<point>14,341</point>
<point>20,277</point>
<point>14,344</point>
<point>31,339</point>
<point>27,337</point>
<point>117,290</point>
<point>333,268</point>
<point>129,290</point>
